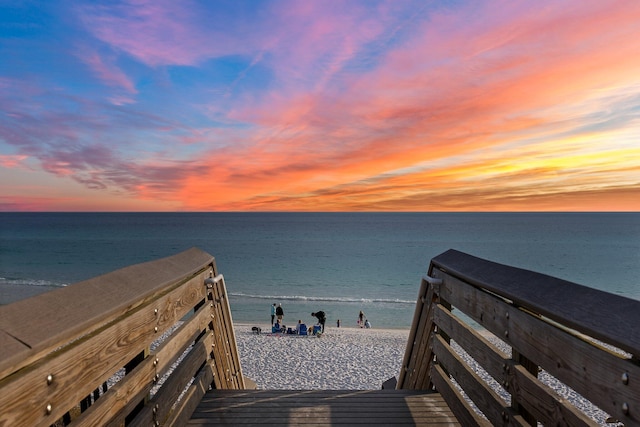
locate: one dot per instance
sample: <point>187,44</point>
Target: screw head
<point>49,379</point>
<point>625,378</point>
<point>625,408</point>
<point>49,408</point>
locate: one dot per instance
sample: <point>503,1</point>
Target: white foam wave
<point>322,298</point>
<point>31,282</point>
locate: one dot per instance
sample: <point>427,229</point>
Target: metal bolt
<point>49,408</point>
<point>506,333</point>
<point>49,379</point>
<point>155,329</point>
<point>625,408</point>
<point>625,378</point>
<point>155,362</point>
<point>155,311</point>
<point>155,410</point>
<point>507,314</point>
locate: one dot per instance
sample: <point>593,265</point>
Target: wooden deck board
<point>322,408</point>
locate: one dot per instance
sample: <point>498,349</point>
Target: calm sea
<point>337,262</point>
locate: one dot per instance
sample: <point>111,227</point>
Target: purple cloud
<point>156,32</point>
<point>107,71</point>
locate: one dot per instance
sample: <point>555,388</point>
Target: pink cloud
<point>12,161</point>
<point>156,32</point>
<point>108,72</point>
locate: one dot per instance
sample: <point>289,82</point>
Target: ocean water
<point>337,262</point>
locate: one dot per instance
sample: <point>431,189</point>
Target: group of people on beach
<point>363,322</point>
<point>277,315</point>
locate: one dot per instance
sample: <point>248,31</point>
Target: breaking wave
<point>321,298</point>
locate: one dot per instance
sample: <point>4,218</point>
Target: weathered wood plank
<point>191,399</point>
<point>416,375</point>
<point>160,405</point>
<point>62,315</point>
<point>219,353</point>
<point>576,306</point>
<point>414,335</point>
<point>483,396</point>
<point>540,400</point>
<point>120,399</point>
<point>222,352</point>
<point>11,350</point>
<point>586,368</point>
<point>463,411</point>
<point>79,368</point>
<point>486,354</point>
<point>83,349</point>
<point>322,407</point>
<point>232,345</point>
<point>420,376</point>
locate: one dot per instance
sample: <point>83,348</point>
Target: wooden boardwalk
<point>322,408</point>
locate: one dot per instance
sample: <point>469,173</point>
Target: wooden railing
<point>586,339</point>
<point>93,353</point>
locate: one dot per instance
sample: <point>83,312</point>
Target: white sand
<point>341,359</point>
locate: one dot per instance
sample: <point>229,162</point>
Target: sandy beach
<point>341,359</point>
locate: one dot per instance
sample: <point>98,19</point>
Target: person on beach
<point>298,326</point>
<point>367,325</point>
<point>279,312</point>
<point>322,318</point>
<point>361,319</point>
<point>273,313</point>
<point>338,323</point>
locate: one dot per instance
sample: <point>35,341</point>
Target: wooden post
<point>532,368</point>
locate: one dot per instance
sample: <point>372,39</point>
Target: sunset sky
<point>320,105</point>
